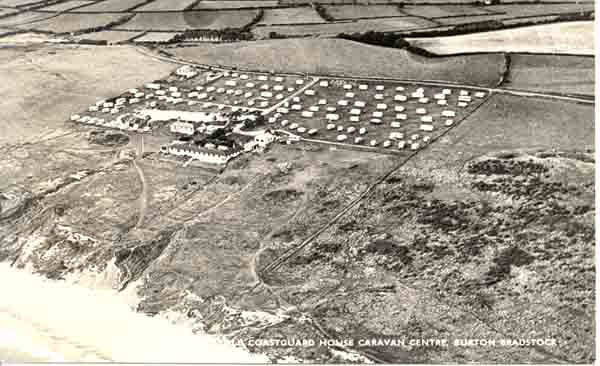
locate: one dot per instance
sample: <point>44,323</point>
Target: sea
<point>44,320</point>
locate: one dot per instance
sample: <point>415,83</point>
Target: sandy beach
<point>44,320</point>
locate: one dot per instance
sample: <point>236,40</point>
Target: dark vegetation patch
<point>506,166</point>
<point>108,138</point>
<point>503,262</point>
<point>282,195</point>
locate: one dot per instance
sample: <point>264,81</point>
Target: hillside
<point>346,58</point>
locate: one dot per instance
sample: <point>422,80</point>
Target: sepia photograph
<point>297,181</point>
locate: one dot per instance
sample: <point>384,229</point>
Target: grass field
<point>179,21</point>
<point>67,5</point>
<point>54,86</point>
<point>470,19</point>
<point>554,74</point>
<point>290,16</point>
<point>234,4</point>
<point>540,124</point>
<point>156,22</point>
<point>156,37</point>
<point>340,57</point>
<point>71,22</point>
<point>341,12</point>
<point>540,9</point>
<point>111,6</point>
<point>219,19</point>
<point>24,18</point>
<point>441,11</point>
<point>571,38</point>
<point>166,5</point>
<point>18,3</point>
<point>110,36</point>
<point>380,25</point>
<point>343,2</point>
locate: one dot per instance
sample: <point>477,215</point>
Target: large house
<point>202,153</point>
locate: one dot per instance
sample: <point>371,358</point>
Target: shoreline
<point>62,321</point>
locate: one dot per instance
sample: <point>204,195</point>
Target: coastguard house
<point>206,154</point>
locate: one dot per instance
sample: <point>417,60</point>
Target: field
<point>343,2</point>
<point>18,3</point>
<point>540,9</point>
<point>234,4</point>
<point>552,74</point>
<point>24,18</point>
<point>67,5</point>
<point>166,5</point>
<point>100,73</point>
<point>290,16</point>
<point>7,11</point>
<point>442,11</point>
<point>111,6</point>
<point>341,57</point>
<point>112,37</point>
<point>156,37</point>
<point>70,22</point>
<point>341,12</point>
<point>179,21</point>
<point>571,38</point>
<point>379,25</point>
<point>542,124</point>
<point>408,126</point>
<point>470,19</point>
<point>156,22</point>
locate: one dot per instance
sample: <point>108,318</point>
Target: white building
<point>396,135</point>
<point>426,127</point>
<point>207,155</point>
<point>186,71</point>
